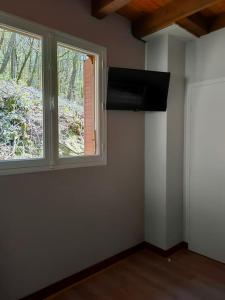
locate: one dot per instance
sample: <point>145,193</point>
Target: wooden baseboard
<point>166,253</point>
<point>65,283</point>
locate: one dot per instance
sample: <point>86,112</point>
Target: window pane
<point>76,102</point>
<point>21,104</point>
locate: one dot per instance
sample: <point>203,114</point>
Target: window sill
<point>36,169</point>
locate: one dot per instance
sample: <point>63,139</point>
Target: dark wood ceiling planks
<point>148,16</point>
<point>136,8</point>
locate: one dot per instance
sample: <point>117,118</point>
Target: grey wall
<point>53,224</point>
<point>175,141</point>
<point>164,148</point>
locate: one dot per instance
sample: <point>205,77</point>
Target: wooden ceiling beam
<point>103,8</point>
<point>217,22</point>
<point>169,14</point>
<point>195,24</point>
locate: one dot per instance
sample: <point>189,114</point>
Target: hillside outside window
<point>52,98</point>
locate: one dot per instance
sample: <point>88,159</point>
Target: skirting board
<point>166,253</point>
<point>69,281</point>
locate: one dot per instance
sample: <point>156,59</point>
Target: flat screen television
<point>137,90</point>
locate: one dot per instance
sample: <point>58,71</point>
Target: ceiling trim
<point>173,30</point>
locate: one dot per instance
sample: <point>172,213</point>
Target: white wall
<point>207,169</point>
<point>164,148</point>
<point>205,57</point>
<point>205,61</point>
<point>155,178</point>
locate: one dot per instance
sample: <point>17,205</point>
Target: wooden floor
<point>148,276</point>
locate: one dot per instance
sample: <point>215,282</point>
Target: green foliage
<point>71,129</point>
<point>21,124</point>
<point>21,105</point>
<point>70,73</point>
<point>20,58</point>
<point>19,135</point>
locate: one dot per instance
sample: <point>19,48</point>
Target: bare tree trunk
<point>30,64</point>
<point>30,80</point>
<point>8,52</point>
<point>13,63</point>
<point>72,79</point>
<point>2,39</point>
<point>25,61</point>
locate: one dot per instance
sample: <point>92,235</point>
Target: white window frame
<point>51,160</point>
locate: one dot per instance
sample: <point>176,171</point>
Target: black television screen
<point>137,90</point>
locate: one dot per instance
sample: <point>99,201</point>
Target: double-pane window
<point>52,98</point>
